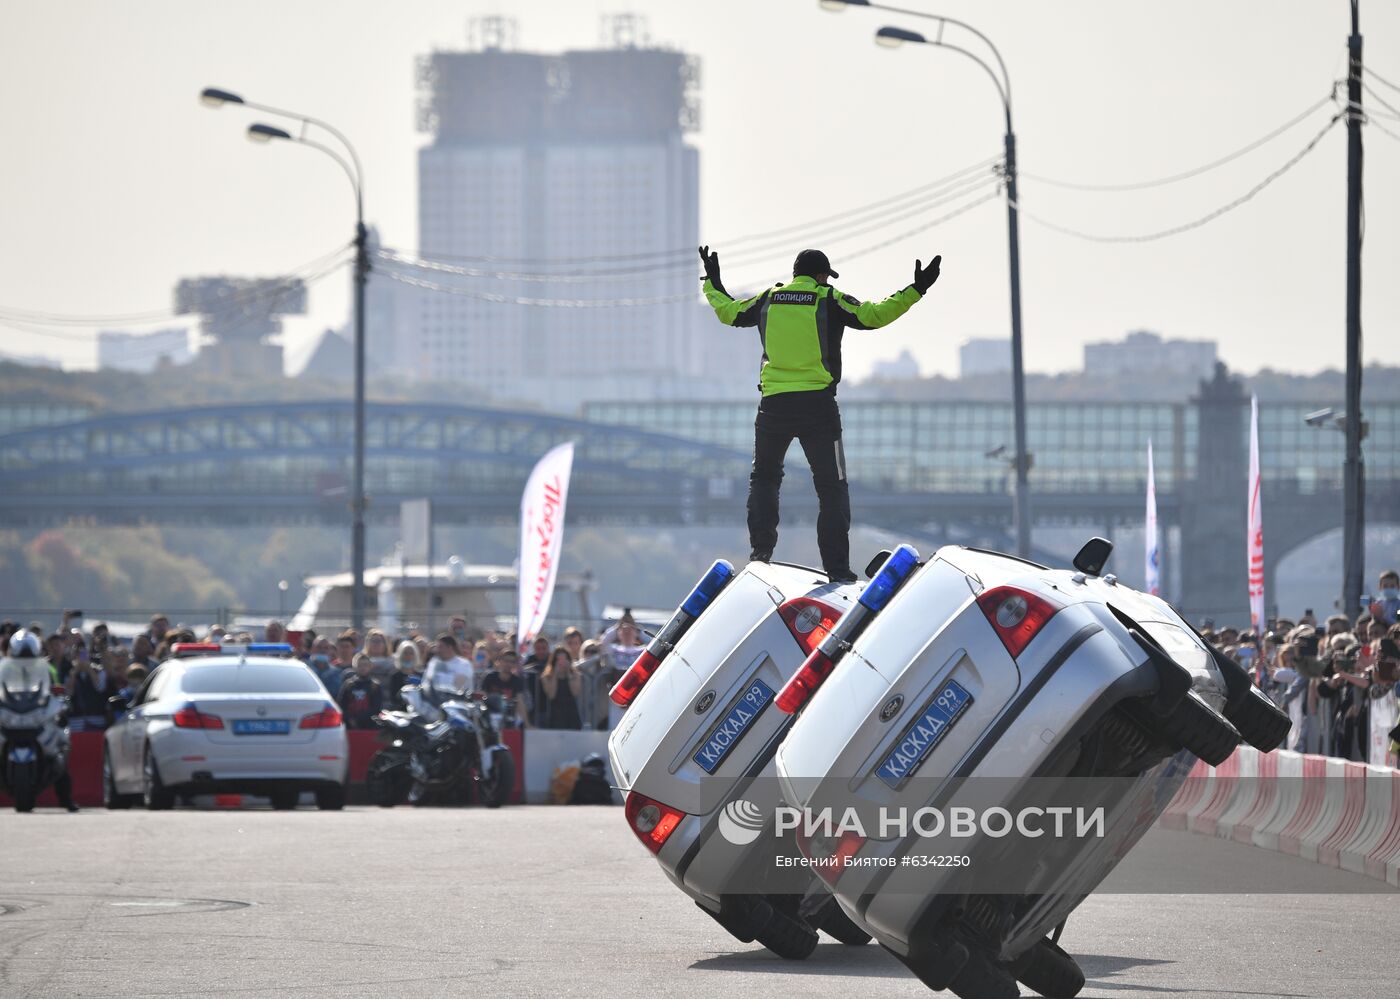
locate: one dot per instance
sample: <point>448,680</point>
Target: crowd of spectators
<point>557,686</point>
<point>1326,675</point>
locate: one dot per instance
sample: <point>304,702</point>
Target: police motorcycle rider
<point>800,326</point>
<point>27,703</point>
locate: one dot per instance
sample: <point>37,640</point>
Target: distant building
<point>331,360</point>
<point>558,177</point>
<point>239,317</point>
<point>900,368</point>
<point>24,415</point>
<point>984,357</point>
<point>1142,352</point>
<point>142,352</point>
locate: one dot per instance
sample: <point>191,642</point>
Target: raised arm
<point>872,315</point>
<point>730,311</point>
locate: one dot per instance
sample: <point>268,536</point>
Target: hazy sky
<point>116,181</point>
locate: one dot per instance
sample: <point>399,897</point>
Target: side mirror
<point>1093,556</point>
<point>876,562</point>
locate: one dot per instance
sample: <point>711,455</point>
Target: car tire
<point>330,799</point>
<point>1260,722</point>
<point>783,934</point>
<point>840,927</point>
<point>1191,725</point>
<point>110,798</point>
<point>154,794</point>
<point>284,801</point>
<point>982,978</point>
<point>1049,971</point>
<point>496,791</point>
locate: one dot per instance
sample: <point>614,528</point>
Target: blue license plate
<point>726,735</point>
<point>261,726</point>
<point>923,736</point>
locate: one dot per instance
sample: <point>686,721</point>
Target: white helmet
<point>24,644</point>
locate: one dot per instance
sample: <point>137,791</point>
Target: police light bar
<point>716,578</point>
<point>823,659</point>
<point>217,648</point>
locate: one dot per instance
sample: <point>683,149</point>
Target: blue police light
<point>896,569</point>
<point>276,648</point>
<point>708,588</point>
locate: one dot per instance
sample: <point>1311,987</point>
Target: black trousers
<point>814,420</point>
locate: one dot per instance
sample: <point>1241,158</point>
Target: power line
<point>1378,78</point>
<point>1394,111</point>
<point>688,252</point>
<point>45,318</point>
<point>1195,223</point>
<point>1186,175</point>
<point>750,257</point>
<point>691,296</point>
<point>1372,123</point>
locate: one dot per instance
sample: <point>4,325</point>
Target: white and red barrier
<point>1332,812</point>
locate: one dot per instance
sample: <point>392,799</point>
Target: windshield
<point>24,679</point>
<point>250,678</point>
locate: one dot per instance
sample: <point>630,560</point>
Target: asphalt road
<point>539,901</point>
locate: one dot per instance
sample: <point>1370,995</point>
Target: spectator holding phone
<point>561,688</point>
<point>88,686</point>
<point>1386,607</point>
<point>507,681</point>
<point>361,697</point>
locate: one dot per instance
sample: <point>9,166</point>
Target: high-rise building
<point>984,357</point>
<point>1142,351</point>
<point>564,179</point>
<point>142,352</point>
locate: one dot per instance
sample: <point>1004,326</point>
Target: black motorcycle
<point>441,752</point>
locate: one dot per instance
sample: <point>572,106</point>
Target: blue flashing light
<point>276,648</point>
<point>708,588</point>
<point>896,569</point>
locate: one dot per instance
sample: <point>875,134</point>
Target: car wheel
<point>330,799</point>
<point>110,797</point>
<point>155,795</point>
<point>285,801</point>
<point>1193,725</point>
<point>1048,970</point>
<point>1260,722</point>
<point>783,934</point>
<point>836,924</point>
<point>982,978</point>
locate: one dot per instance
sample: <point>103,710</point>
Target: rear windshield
<point>250,678</point>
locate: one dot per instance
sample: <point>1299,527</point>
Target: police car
<point>991,736</point>
<point>694,750</point>
<point>227,718</point>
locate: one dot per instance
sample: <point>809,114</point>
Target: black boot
<point>63,788</point>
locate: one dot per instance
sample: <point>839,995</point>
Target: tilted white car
<point>227,719</point>
<point>694,751</point>
<point>987,684</point>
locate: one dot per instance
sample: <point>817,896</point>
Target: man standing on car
<point>800,326</point>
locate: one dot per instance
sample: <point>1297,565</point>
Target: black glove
<point>924,276</point>
<point>711,261</point>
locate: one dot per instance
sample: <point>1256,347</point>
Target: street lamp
<point>894,38</point>
<point>214,97</point>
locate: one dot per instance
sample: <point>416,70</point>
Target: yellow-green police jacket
<point>800,326</point>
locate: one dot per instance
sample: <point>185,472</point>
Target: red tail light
<point>809,676</point>
<point>809,620</point>
<point>1016,615</point>
<point>191,717</point>
<point>652,821</point>
<point>831,855</point>
<point>325,718</point>
<point>633,680</point>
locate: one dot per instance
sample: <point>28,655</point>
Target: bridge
<point>260,464</point>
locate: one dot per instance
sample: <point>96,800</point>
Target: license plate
<point>261,726</point>
<point>726,735</point>
<point>923,736</point>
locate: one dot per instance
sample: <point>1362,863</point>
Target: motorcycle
<point>33,732</point>
<point>442,751</point>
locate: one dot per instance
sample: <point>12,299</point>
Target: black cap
<point>812,263</point>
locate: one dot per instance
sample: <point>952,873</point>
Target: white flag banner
<point>1256,525</point>
<point>1153,573</point>
<point>541,539</point>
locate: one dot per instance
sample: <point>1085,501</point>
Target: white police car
<point>216,718</point>
<point>694,750</point>
<point>991,737</point>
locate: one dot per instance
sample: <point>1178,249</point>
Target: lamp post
<point>893,38</point>
<point>267,133</point>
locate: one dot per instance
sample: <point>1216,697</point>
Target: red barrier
<point>85,766</point>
